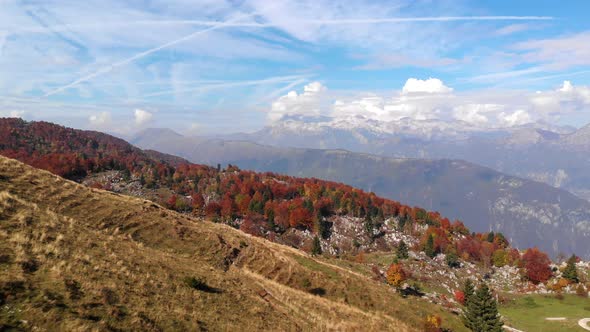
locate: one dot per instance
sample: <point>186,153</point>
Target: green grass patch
<point>528,312</point>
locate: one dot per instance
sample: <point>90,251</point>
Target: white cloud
<point>567,87</point>
<point>307,103</point>
<point>313,88</point>
<point>101,120</point>
<point>513,28</point>
<point>557,53</point>
<point>431,99</point>
<point>12,113</point>
<point>431,85</point>
<point>517,118</point>
<point>474,113</point>
<point>142,117</point>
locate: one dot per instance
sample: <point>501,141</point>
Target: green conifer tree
<point>468,290</point>
<point>481,312</point>
<point>491,236</point>
<point>429,247</point>
<point>402,250</point>
<point>369,225</point>
<point>316,248</point>
<point>571,273</point>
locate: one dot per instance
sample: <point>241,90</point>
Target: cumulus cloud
<point>100,120</point>
<point>516,118</point>
<point>475,113</point>
<point>142,117</point>
<point>307,103</point>
<point>431,85</point>
<point>431,99</point>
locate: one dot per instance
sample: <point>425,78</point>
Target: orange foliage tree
<point>396,275</point>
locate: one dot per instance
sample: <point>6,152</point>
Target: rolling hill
<point>529,213</point>
<point>76,258</point>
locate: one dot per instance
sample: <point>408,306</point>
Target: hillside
<point>529,213</point>
<point>92,259</point>
<point>75,258</point>
<point>294,211</point>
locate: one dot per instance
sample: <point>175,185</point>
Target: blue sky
<point>211,66</point>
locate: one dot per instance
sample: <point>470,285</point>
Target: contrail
<point>428,19</point>
<point>110,68</point>
<point>280,91</point>
<point>277,79</point>
<point>111,25</point>
<point>212,25</point>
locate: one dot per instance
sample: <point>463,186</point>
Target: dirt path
<point>584,323</point>
<point>511,329</point>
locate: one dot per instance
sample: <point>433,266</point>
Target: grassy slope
<point>528,313</point>
<point>74,258</point>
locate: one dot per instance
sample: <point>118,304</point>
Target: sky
<point>214,66</point>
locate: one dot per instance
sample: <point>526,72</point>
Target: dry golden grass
<point>76,259</point>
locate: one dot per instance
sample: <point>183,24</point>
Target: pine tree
<point>429,247</point>
<point>481,312</point>
<point>452,260</point>
<point>468,290</point>
<point>491,237</point>
<point>316,248</point>
<point>401,222</point>
<point>322,226</point>
<point>369,225</point>
<point>402,250</point>
<point>571,273</point>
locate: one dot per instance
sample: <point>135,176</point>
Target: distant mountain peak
<point>159,132</point>
<point>579,137</point>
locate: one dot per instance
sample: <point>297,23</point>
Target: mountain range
<point>556,155</point>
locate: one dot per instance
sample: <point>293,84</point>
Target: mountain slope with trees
<point>529,213</point>
<point>337,224</point>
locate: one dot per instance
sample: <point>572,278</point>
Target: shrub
<point>30,265</point>
<point>109,296</point>
<point>432,323</point>
<point>74,289</point>
<point>559,285</point>
<point>581,291</point>
<point>396,275</point>
<point>460,297</point>
<point>452,260</point>
<point>500,258</point>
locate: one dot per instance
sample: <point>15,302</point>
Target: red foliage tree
<point>460,297</point>
<point>537,266</point>
<point>300,216</point>
<point>197,201</point>
<point>213,209</point>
